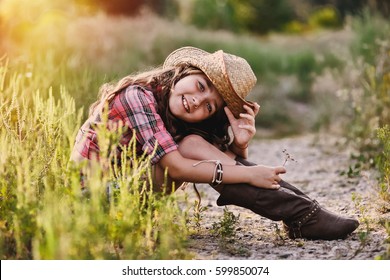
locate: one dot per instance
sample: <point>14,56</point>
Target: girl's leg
<point>193,147</point>
<point>302,216</point>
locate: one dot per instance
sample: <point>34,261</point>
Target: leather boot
<point>322,224</point>
<point>302,216</point>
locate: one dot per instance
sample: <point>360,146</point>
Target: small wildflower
<point>287,157</point>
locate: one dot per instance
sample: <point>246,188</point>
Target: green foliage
<point>198,211</point>
<point>326,17</point>
<point>270,15</point>
<point>237,16</point>
<point>384,165</point>
<point>294,27</point>
<point>371,31</point>
<point>45,214</point>
<point>371,104</point>
<point>369,132</point>
<point>226,227</point>
<point>213,14</point>
<point>386,255</point>
<point>365,233</point>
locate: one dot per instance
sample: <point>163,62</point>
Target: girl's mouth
<point>185,104</point>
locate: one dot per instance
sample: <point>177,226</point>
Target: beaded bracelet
<point>218,171</point>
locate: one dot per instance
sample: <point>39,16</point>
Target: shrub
<point>384,164</point>
<point>326,17</point>
<point>371,31</point>
<point>370,103</point>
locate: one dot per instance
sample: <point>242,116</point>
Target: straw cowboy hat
<point>231,75</point>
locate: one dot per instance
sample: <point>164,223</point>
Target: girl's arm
<point>239,151</point>
<point>183,169</point>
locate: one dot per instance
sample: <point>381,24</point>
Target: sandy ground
<point>317,172</point>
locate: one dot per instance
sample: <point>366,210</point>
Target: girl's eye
<point>209,108</point>
<point>201,87</point>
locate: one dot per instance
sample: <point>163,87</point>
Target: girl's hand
<point>266,177</point>
<point>243,128</point>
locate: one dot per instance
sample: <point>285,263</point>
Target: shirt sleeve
<point>137,107</point>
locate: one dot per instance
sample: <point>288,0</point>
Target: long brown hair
<point>160,81</point>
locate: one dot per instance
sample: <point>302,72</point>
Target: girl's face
<point>194,99</point>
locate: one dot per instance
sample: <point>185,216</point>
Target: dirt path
<point>317,172</point>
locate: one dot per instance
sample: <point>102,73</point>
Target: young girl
<point>191,117</point>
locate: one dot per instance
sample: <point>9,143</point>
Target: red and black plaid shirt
<point>135,109</point>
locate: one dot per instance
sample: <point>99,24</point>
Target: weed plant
<point>44,212</point>
<point>384,167</point>
<point>370,29</point>
<point>368,128</point>
<point>370,106</point>
<point>225,229</point>
<point>384,184</point>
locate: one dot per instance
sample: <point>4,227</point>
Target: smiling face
<point>194,99</point>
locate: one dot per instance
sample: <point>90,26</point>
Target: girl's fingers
<point>248,127</point>
<point>229,114</point>
<point>257,109</point>
<point>280,170</point>
<point>249,110</point>
<point>248,117</point>
<point>253,111</point>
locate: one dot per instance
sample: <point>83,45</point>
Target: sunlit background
<point>294,46</point>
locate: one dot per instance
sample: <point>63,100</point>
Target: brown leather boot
<point>302,216</point>
<point>319,223</point>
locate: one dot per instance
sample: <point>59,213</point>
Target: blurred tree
<point>213,14</point>
<point>258,16</point>
<point>344,7</point>
<point>233,15</point>
<point>121,7</point>
<point>354,7</point>
<point>325,17</point>
<point>165,8</point>
<point>270,15</point>
<point>382,6</point>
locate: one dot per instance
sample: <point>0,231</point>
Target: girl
<point>191,117</point>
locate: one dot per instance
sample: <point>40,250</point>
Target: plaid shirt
<point>135,109</point>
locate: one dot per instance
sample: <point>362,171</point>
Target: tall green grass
<point>384,183</point>
<point>44,214</point>
<point>372,30</point>
<point>368,107</point>
<point>369,101</point>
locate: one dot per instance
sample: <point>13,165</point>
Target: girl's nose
<point>195,101</point>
